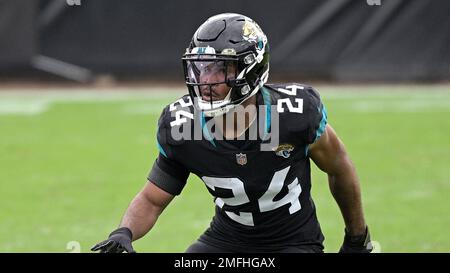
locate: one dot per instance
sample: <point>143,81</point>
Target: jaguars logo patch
<point>284,150</point>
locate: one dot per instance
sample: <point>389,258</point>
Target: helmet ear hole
<point>250,58</point>
<point>245,89</point>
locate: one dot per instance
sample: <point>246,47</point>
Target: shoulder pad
<point>298,105</point>
<point>290,90</point>
<point>174,118</point>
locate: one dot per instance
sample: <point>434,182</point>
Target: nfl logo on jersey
<point>241,159</point>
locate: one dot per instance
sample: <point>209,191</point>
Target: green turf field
<point>71,160</point>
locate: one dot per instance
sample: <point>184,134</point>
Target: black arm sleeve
<point>168,175</point>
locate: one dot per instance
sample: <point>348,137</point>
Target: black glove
<point>357,244</point>
<point>118,241</point>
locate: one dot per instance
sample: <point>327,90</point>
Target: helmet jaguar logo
<point>252,32</point>
<point>284,150</point>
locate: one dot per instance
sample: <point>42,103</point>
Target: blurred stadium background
<point>82,84</point>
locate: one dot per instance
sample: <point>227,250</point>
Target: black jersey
<point>262,195</point>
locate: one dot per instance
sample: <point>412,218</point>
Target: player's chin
<point>213,94</point>
<point>210,96</point>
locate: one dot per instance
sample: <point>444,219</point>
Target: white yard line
<point>371,99</point>
<point>36,101</point>
<point>408,105</point>
<point>18,107</point>
<point>122,93</point>
<point>92,95</point>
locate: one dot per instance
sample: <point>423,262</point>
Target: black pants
<point>202,247</point>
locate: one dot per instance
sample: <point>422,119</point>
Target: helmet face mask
<point>226,63</point>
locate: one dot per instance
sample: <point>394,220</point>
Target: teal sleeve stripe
<point>267,104</point>
<point>323,122</point>
<point>160,148</point>
<point>205,130</point>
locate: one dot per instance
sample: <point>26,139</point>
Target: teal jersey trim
<point>160,148</point>
<point>205,130</point>
<point>322,125</point>
<point>267,105</point>
<point>323,122</point>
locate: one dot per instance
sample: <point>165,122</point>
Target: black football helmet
<point>233,45</point>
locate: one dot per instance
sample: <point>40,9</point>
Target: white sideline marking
<point>417,195</point>
<point>35,101</point>
<point>409,105</point>
<point>82,95</point>
<point>142,109</point>
<point>18,107</point>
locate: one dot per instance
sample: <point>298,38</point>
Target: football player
<point>251,143</point>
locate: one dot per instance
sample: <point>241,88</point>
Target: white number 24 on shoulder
<point>290,90</point>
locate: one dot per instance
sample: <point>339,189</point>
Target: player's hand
<point>119,241</point>
<point>357,244</point>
